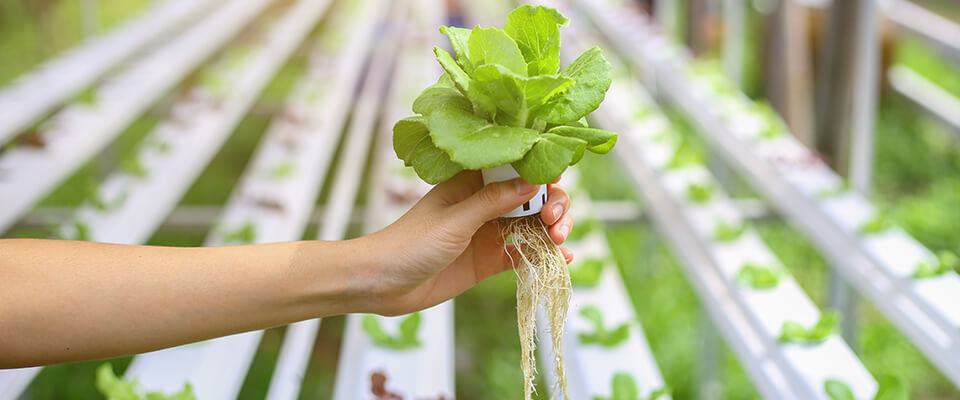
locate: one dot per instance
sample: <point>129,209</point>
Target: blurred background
<point>803,57</point>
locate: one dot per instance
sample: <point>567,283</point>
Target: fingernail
<point>564,230</point>
<point>557,212</point>
<point>524,187</point>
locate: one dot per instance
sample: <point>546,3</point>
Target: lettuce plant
<point>725,231</point>
<point>406,337</point>
<point>583,228</point>
<point>700,192</point>
<point>795,332</point>
<point>758,276</point>
<point>945,262</point>
<point>504,100</point>
<point>889,388</point>
<point>624,387</point>
<point>114,388</point>
<point>601,335</point>
<point>878,224</point>
<point>587,272</point>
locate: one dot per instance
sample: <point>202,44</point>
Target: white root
<point>542,277</point>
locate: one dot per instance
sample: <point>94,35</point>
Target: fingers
<point>560,230</point>
<point>567,254</point>
<point>490,202</point>
<point>558,202</point>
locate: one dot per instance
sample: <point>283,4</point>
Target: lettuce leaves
<point>503,99</point>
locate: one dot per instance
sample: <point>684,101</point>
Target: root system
<point>542,278</point>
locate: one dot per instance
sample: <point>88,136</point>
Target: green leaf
<point>516,95</point>
<point>475,143</point>
<point>757,276</point>
<point>837,390</point>
<point>587,272</point>
<point>436,96</point>
<point>409,328</point>
<point>407,134</point>
<point>728,232</point>
<point>246,233</point>
<point>406,338</point>
<point>432,164</point>
<point>371,325</point>
<point>283,170</point>
<point>794,332</point>
<point>891,388</point>
<point>700,192</point>
<point>536,30</point>
<point>413,145</point>
<point>592,75</point>
<point>598,140</point>
<point>114,388</point>
<point>494,46</point>
<point>549,157</point>
<point>582,229</point>
<point>459,40</point>
<point>463,82</point>
<point>624,387</point>
<point>878,224</point>
<point>601,335</point>
<point>835,191</point>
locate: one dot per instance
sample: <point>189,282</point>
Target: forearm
<point>66,301</point>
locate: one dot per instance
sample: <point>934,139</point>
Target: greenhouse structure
<point>779,219</point>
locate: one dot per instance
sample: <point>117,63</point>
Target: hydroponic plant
<point>889,388</point>
<point>795,332</point>
<point>114,388</point>
<point>587,272</point>
<point>625,388</point>
<point>503,106</point>
<point>601,335</point>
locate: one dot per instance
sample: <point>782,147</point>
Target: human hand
<point>450,241</point>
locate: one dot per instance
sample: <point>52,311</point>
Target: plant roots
<point>542,277</point>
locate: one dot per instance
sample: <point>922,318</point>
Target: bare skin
<point>64,301</point>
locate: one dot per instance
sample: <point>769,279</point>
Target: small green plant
<point>775,127</point>
<point>889,388</point>
<point>686,154</point>
<point>946,261</point>
<point>728,232</point>
<point>582,229</point>
<point>878,224</point>
<point>282,170</point>
<point>624,387</point>
<point>246,233</point>
<point>795,332</point>
<point>700,192</point>
<point>88,96</point>
<point>834,192</point>
<point>132,166</point>
<point>758,276</point>
<point>114,388</point>
<point>601,335</point>
<point>587,272</point>
<point>406,337</point>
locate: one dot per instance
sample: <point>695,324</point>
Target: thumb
<point>492,201</point>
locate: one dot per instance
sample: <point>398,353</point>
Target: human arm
<point>68,301</point>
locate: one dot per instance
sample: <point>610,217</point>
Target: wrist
<point>334,277</point>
